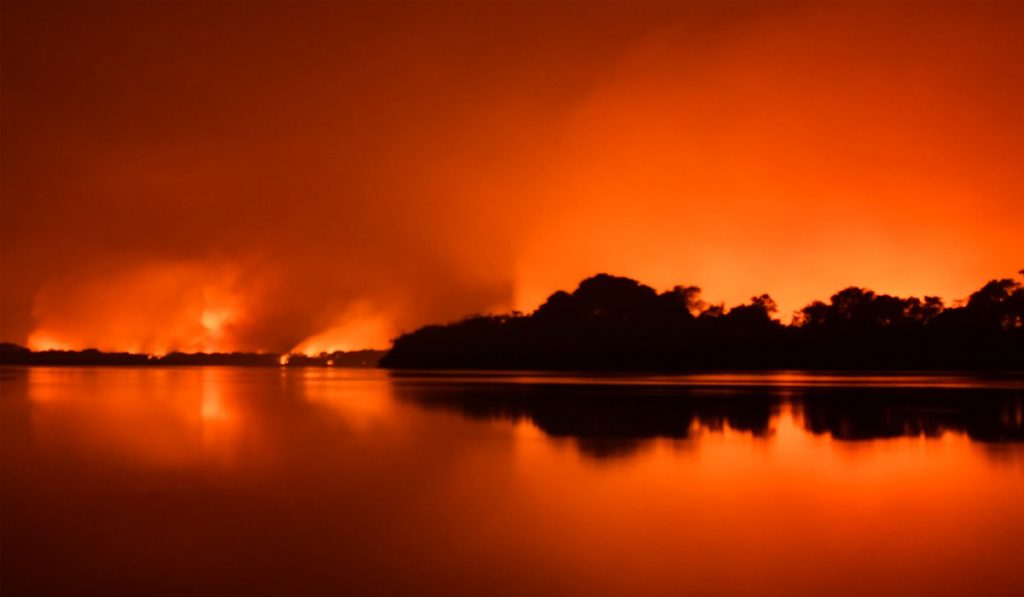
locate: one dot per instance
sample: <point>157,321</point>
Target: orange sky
<point>313,176</point>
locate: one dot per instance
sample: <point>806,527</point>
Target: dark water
<point>221,481</point>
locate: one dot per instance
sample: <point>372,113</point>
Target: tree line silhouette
<point>13,354</point>
<point>616,323</point>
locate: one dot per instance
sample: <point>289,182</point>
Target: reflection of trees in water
<point>862,414</point>
<point>605,420</point>
<point>608,420</point>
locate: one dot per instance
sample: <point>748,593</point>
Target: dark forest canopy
<point>615,323</point>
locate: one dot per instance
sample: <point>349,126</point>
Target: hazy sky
<point>275,176</point>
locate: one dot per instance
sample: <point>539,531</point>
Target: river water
<point>263,481</point>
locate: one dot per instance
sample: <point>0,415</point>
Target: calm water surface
<point>222,481</point>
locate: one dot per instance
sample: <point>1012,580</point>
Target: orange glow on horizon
<point>359,327</point>
<point>37,341</point>
<point>334,185</point>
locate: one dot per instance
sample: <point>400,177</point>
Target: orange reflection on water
<point>152,418</point>
<point>361,404</point>
<point>729,513</point>
<point>326,481</point>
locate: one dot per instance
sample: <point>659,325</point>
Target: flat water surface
<point>238,481</point>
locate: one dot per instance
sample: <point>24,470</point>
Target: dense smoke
<point>320,176</point>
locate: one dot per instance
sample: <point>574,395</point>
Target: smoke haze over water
<point>321,176</point>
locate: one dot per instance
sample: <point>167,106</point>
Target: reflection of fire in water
<point>360,397</point>
<point>212,409</point>
<point>220,422</point>
<point>149,416</point>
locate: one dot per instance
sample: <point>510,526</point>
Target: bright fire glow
<point>745,148</point>
<point>358,328</point>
